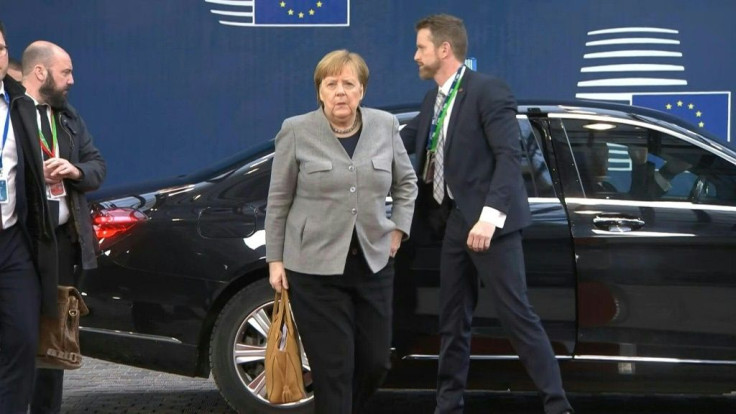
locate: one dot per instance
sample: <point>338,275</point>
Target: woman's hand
<point>396,237</point>
<point>277,276</point>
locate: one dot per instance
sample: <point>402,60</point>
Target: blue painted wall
<point>166,89</point>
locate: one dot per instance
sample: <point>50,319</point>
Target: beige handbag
<point>284,380</point>
<point>58,339</point>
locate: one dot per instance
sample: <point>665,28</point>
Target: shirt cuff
<point>662,182</point>
<point>493,216</point>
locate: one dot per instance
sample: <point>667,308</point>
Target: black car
<point>630,264</point>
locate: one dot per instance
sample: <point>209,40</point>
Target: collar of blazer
<point>320,129</point>
<point>457,106</point>
<point>23,116</point>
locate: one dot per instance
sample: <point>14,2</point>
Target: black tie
<point>46,131</point>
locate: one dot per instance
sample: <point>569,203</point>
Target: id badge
<point>55,191</point>
<point>3,190</point>
<point>428,173</point>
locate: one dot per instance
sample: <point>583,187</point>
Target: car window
<point>534,168</point>
<point>247,183</point>
<point>535,171</point>
<point>629,162</point>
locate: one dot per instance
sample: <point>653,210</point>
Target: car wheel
<point>238,351</point>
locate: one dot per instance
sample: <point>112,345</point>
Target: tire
<point>243,324</point>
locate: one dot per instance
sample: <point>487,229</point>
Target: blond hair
<point>333,63</point>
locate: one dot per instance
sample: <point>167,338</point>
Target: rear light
<point>109,222</point>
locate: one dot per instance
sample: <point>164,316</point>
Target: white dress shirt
<point>10,164</point>
<point>63,203</point>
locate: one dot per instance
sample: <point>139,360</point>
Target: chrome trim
<point>603,358</point>
<point>611,358</point>
<point>427,357</point>
<point>544,200</point>
<point>679,205</point>
<point>131,335</point>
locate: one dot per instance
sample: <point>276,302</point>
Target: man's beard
<point>54,97</point>
<point>428,71</point>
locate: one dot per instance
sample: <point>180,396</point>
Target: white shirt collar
<point>445,88</point>
<point>35,102</point>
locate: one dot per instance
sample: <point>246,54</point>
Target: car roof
<point>542,107</point>
<point>405,112</point>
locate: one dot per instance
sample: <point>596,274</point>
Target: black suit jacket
<point>482,149</point>
<point>32,208</point>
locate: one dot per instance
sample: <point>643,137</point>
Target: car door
<point>549,264</point>
<point>653,217</point>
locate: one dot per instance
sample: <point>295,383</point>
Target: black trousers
<point>49,383</point>
<point>501,268</point>
<point>345,325</point>
<point>20,305</point>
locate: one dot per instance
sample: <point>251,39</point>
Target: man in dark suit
<point>466,140</point>
<point>28,275</point>
<point>72,166</point>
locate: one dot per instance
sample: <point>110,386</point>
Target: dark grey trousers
<point>345,325</point>
<point>20,306</point>
<point>501,268</point>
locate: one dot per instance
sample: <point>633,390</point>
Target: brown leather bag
<point>58,340</point>
<point>284,381</point>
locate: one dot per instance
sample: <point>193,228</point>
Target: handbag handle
<point>281,307</point>
<point>281,318</point>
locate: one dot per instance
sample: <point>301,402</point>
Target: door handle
<point>618,223</point>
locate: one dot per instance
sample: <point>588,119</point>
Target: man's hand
<point>57,169</point>
<point>396,237</point>
<point>479,238</point>
<point>277,276</point>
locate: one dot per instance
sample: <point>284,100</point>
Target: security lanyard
<point>439,119</point>
<point>49,150</point>
<point>5,129</point>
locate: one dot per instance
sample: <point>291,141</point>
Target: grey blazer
<point>318,194</point>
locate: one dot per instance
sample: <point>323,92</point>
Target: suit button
<point>354,211</point>
<point>351,168</point>
<point>352,189</point>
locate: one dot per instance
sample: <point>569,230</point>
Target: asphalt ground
<point>106,388</point>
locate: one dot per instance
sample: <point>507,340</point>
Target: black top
<point>349,143</point>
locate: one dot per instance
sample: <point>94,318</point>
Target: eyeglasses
<point>3,50</point>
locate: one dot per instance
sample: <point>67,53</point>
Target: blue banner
<point>301,12</point>
<point>707,110</point>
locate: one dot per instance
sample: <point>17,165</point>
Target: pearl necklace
<point>349,129</point>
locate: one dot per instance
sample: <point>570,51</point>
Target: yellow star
<point>301,15</point>
<point>679,103</point>
<point>698,114</point>
<point>291,12</point>
<point>319,4</point>
<point>668,106</point>
<point>690,106</point>
<point>701,124</point>
<point>282,4</point>
<point>311,12</point>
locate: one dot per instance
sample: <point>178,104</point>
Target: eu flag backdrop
<point>301,12</point>
<point>708,110</point>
